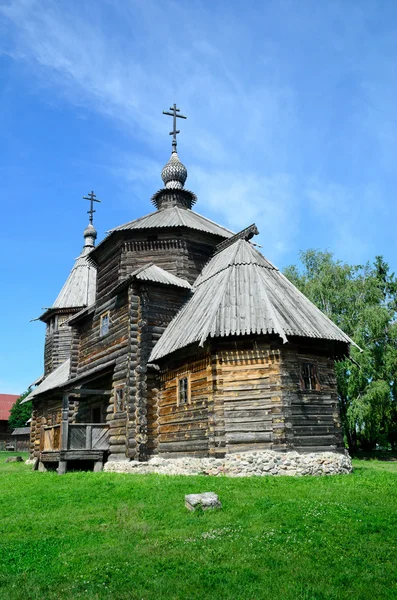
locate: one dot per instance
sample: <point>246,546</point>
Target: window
<point>96,414</point>
<point>309,376</point>
<point>119,399</point>
<point>183,391</point>
<point>104,324</point>
<point>53,324</point>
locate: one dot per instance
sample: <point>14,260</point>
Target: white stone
<point>204,501</point>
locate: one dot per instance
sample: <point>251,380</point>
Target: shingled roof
<point>79,288</point>
<point>54,380</point>
<point>175,216</point>
<point>153,274</point>
<point>240,292</point>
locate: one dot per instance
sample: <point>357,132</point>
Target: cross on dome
<point>91,197</point>
<point>174,174</point>
<point>174,131</point>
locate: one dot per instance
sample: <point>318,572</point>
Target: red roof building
<point>6,403</point>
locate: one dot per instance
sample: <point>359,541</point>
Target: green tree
<point>20,413</point>
<point>362,300</point>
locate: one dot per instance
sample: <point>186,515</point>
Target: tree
<point>20,413</point>
<point>362,300</point>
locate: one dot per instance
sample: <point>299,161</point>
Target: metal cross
<point>175,131</point>
<point>92,198</point>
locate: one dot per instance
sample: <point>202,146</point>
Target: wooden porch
<point>67,442</point>
<point>74,442</point>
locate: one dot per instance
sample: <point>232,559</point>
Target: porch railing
<point>88,436</point>
<point>79,436</point>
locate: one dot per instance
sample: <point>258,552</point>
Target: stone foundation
<point>244,464</point>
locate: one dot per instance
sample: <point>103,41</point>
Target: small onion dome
<point>90,235</point>
<point>174,173</point>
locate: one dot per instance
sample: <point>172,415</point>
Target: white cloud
<point>255,132</point>
<point>239,199</point>
<point>132,80</point>
<point>339,212</point>
<point>235,123</point>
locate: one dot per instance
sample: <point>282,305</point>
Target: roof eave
<point>54,310</point>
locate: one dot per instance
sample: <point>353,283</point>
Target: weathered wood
<point>57,343</point>
<point>65,422</point>
<point>88,437</point>
<point>237,437</point>
<point>77,438</point>
<point>62,467</point>
<point>249,426</point>
<point>88,392</point>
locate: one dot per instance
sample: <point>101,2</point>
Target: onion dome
<point>90,235</point>
<point>174,173</point>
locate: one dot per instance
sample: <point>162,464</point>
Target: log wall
<point>248,397</point>
<point>249,389</point>
<point>108,271</point>
<point>114,350</point>
<point>181,255</point>
<point>95,350</point>
<point>184,430</point>
<point>313,416</point>
<point>152,308</point>
<point>57,346</point>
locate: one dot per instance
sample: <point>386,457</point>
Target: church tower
<point>77,292</point>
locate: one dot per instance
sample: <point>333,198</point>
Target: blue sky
<point>292,123</point>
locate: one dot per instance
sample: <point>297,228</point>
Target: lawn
<point>105,535</point>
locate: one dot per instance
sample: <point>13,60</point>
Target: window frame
<point>53,325</point>
<point>101,319</point>
<point>117,390</point>
<point>180,378</point>
<point>314,379</point>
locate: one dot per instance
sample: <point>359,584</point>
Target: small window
<point>104,324</point>
<point>96,414</point>
<point>183,391</point>
<point>119,400</point>
<point>309,376</point>
<point>53,324</point>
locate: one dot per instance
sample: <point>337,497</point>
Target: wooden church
<point>176,337</point>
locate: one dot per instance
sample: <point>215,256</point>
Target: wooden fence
<point>9,441</point>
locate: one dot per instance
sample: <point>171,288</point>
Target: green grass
<point>99,535</point>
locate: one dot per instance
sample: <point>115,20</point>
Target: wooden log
<point>265,426</point>
<point>186,446</point>
<point>117,449</point>
<point>236,437</point>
